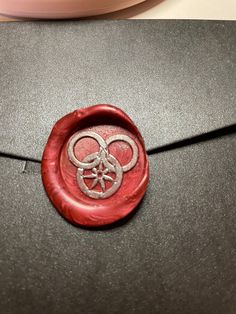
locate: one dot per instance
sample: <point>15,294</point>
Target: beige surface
<point>181,9</point>
<point>176,9</point>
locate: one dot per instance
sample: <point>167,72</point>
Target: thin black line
<point>22,158</point>
<point>228,130</point>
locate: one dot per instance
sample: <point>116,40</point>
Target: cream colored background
<point>176,9</point>
<point>183,9</point>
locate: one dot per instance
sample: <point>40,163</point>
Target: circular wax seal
<point>94,167</point>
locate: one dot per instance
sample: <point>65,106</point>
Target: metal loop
<point>74,139</point>
<point>127,139</point>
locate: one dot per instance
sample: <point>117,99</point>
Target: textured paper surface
<point>175,79</point>
<point>175,255</point>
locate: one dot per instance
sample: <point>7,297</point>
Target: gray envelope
<point>176,254</point>
<point>174,78</point>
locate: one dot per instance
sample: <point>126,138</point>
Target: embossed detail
<point>102,164</point>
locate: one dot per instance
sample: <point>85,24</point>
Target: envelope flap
<point>175,79</point>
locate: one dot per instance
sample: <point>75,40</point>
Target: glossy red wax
<point>59,174</point>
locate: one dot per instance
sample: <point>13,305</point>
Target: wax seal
<point>94,167</point>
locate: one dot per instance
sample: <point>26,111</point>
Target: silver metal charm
<point>101,164</point>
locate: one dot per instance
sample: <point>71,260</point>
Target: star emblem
<point>100,176</point>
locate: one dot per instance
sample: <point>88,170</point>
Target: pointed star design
<point>100,176</point>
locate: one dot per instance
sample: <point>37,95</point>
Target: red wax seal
<point>94,167</point>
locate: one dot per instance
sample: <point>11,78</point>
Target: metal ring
<point>127,139</point>
<point>78,136</point>
<point>117,169</point>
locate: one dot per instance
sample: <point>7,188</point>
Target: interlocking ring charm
<point>101,164</point>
